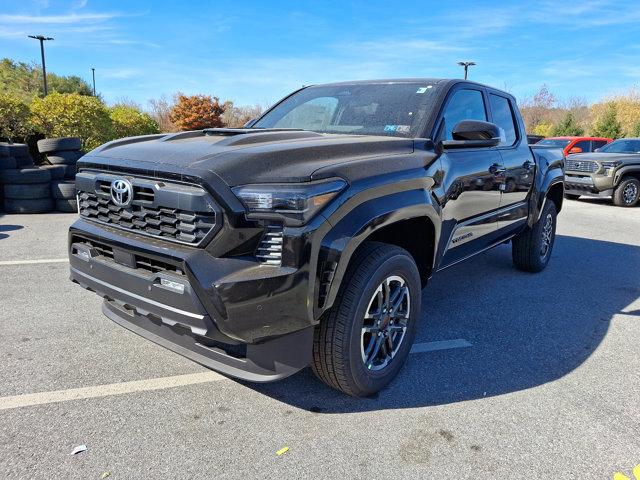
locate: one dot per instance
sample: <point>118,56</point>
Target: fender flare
<point>349,232</point>
<point>623,171</point>
<point>550,173</point>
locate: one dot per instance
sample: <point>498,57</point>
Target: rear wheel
<point>364,340</point>
<point>627,193</point>
<point>531,249</point>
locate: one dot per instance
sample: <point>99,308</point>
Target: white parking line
<point>56,396</point>
<point>30,399</point>
<point>440,345</point>
<point>31,262</point>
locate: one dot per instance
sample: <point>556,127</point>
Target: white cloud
<point>70,18</point>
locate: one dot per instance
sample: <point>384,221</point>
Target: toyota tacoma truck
<point>611,171</point>
<point>306,237</point>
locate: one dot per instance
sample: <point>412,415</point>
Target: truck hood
<point>607,157</point>
<point>241,156</point>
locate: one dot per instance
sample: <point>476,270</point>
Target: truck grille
<point>575,165</point>
<point>269,249</point>
<point>169,223</point>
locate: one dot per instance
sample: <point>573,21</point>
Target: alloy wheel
<point>547,235</point>
<point>385,323</point>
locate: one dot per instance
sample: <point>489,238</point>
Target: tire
<point>8,163</point>
<point>57,171</point>
<point>571,196</point>
<point>529,250</point>
<point>63,190</point>
<point>28,191</point>
<point>18,149</point>
<point>67,205</point>
<point>59,144</point>
<point>24,175</point>
<point>64,158</point>
<point>25,161</point>
<point>338,346</point>
<point>627,193</point>
<point>39,205</point>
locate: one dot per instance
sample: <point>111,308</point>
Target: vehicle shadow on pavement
<point>8,228</point>
<point>525,329</point>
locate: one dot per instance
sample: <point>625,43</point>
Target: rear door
<point>517,179</point>
<point>470,192</point>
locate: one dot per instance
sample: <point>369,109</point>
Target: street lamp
<point>44,68</point>
<point>93,74</point>
<point>466,66</point>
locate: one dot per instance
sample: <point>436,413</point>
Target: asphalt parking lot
<point>516,376</point>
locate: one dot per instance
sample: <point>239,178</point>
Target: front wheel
<point>627,193</point>
<point>365,338</point>
<point>531,249</point>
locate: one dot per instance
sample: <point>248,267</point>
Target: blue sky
<point>256,52</point>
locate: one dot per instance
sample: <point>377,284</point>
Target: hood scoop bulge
<point>249,136</point>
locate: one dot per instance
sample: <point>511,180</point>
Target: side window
<point>584,145</point>
<point>598,143</point>
<point>463,105</point>
<point>314,114</point>
<point>503,118</point>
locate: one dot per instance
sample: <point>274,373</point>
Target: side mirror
<point>575,150</point>
<point>473,134</point>
<point>250,123</point>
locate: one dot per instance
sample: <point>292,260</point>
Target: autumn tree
<point>236,116</point>
<point>196,112</point>
<point>567,127</point>
<point>608,125</point>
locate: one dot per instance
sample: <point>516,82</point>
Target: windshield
<point>551,142</point>
<point>622,146</point>
<point>393,109</point>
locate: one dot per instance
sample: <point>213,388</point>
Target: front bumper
<point>231,315</point>
<point>578,183</point>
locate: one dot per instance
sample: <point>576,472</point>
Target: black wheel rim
<point>385,323</point>
<point>547,235</point>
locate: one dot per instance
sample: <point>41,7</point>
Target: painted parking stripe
<point>42,398</point>
<point>440,345</point>
<point>32,262</point>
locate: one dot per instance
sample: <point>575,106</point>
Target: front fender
<point>348,233</point>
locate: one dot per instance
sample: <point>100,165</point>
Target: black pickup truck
<point>306,237</point>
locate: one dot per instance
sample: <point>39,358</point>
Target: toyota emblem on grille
<point>577,164</point>
<point>121,192</point>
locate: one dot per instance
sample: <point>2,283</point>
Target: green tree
<point>73,115</point>
<point>70,84</point>
<point>130,121</point>
<point>15,122</point>
<point>567,127</point>
<point>608,124</point>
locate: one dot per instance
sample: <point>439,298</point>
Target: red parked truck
<point>575,144</point>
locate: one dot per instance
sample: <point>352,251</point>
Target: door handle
<point>497,169</point>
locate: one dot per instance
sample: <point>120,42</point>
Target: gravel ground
<point>547,389</point>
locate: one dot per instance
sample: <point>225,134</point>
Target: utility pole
<point>466,66</point>
<point>93,73</point>
<point>44,68</point>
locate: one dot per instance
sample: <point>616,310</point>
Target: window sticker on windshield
<point>424,89</point>
<point>397,128</point>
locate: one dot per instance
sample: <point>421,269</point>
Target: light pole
<point>466,66</point>
<point>44,68</point>
<point>93,74</point>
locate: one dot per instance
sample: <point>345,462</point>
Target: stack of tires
<point>25,187</point>
<point>62,155</point>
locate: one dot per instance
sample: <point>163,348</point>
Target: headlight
<point>609,167</point>
<point>294,203</point>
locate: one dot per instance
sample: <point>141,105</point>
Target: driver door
<point>470,189</point>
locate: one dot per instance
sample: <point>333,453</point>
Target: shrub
<point>130,121</point>
<point>608,125</point>
<point>15,124</point>
<point>73,115</point>
<point>196,112</point>
<point>567,127</point>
